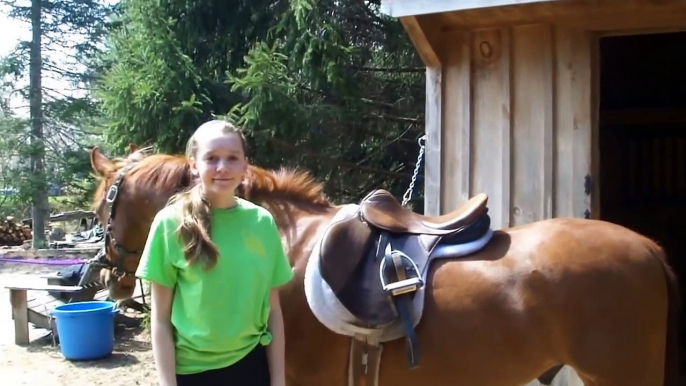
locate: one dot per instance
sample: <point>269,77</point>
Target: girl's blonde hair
<point>194,228</point>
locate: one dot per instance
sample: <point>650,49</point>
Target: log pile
<point>13,234</point>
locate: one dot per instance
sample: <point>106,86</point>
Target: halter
<point>122,253</point>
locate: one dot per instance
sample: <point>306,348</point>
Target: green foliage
<point>166,65</point>
<point>333,87</point>
<point>338,77</point>
<point>15,183</point>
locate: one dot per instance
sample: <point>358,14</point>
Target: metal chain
<point>408,194</point>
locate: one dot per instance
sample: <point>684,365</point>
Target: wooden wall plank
<point>573,120</point>
<point>516,122</point>
<point>432,156</point>
<point>456,143</point>
<point>490,96</point>
<point>506,130</point>
<point>532,134</point>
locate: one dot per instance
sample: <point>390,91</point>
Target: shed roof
<point>403,8</point>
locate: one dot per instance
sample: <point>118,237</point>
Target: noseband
<point>122,253</point>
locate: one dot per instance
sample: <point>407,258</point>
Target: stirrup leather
<point>403,285</point>
<point>401,289</point>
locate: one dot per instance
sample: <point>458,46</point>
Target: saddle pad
<point>331,313</point>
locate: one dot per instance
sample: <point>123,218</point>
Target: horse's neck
<point>301,229</point>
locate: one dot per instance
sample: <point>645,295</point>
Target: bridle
<point>100,260</point>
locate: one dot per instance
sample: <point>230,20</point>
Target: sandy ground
<point>42,364</point>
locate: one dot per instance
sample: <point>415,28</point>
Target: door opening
<point>642,140</point>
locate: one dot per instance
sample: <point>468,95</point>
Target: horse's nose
<point>106,279</point>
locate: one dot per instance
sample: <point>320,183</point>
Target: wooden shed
<point>556,108</point>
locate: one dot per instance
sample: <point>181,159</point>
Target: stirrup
<point>402,286</point>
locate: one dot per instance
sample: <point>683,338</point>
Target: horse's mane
<point>166,173</point>
<point>286,184</point>
<point>156,172</point>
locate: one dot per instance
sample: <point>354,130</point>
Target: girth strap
<point>364,361</point>
<point>402,304</point>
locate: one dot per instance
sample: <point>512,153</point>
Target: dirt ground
<point>42,364</point>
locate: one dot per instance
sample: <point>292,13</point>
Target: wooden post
<point>20,308</point>
<point>20,313</point>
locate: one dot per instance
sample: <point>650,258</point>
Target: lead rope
<point>408,194</point>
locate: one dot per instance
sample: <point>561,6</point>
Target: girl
<point>215,261</point>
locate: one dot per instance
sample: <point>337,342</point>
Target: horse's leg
<point>636,350</point>
<point>625,359</point>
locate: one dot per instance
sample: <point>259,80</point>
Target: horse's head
<point>130,193</point>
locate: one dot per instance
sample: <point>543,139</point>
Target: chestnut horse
<point>585,293</point>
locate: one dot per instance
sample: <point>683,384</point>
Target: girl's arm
<point>161,330</point>
<point>276,350</point>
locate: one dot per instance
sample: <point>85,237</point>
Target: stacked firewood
<point>12,233</point>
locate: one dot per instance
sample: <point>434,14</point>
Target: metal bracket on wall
<point>588,188</point>
<point>588,184</point>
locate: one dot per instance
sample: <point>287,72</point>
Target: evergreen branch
<point>336,161</point>
<point>334,97</point>
<point>377,181</point>
<point>65,73</point>
<point>374,17</point>
<point>49,89</point>
<point>412,121</point>
<point>389,69</point>
<point>22,91</point>
<point>68,131</point>
<point>57,41</point>
<point>397,139</point>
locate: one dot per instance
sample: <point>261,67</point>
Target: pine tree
<point>66,28</point>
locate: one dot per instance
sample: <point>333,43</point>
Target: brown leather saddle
<point>383,211</point>
<point>374,262</point>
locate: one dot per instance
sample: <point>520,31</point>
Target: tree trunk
<point>39,199</point>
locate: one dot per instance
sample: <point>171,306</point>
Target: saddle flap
<point>364,296</point>
<point>344,245</point>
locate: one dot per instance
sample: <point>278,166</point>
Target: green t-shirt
<point>220,315</point>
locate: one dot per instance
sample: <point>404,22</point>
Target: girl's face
<point>219,163</point>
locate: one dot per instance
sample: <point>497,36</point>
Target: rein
<point>100,260</point>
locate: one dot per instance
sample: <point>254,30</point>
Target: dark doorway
<point>642,139</point>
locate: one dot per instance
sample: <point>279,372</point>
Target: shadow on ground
<point>128,340</point>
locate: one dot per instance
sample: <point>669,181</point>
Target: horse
<point>456,303</point>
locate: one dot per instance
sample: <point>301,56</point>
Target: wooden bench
<point>21,313</point>
<point>87,293</point>
<point>35,310</point>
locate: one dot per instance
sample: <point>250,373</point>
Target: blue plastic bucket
<point>85,329</point>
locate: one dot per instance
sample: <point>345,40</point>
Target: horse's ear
<point>101,164</point>
<point>133,148</point>
<point>245,187</point>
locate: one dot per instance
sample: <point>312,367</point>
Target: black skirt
<point>252,370</point>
